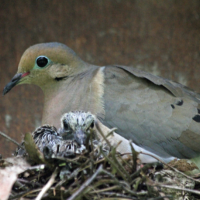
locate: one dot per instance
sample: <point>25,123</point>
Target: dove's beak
<point>15,80</point>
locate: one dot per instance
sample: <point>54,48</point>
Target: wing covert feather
<point>154,112</point>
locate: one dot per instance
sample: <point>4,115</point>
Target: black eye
<point>42,61</point>
<point>92,125</point>
<point>65,124</point>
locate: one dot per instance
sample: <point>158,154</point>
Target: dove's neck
<point>81,92</point>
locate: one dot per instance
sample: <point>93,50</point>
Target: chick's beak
<point>80,137</point>
<point>14,81</point>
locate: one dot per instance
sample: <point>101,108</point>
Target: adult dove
<point>158,114</point>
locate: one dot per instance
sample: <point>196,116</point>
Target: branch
<point>174,169</point>
<point>48,185</point>
<point>85,184</point>
<point>10,139</point>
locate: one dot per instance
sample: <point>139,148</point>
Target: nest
<point>95,172</point>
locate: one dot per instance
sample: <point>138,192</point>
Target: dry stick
<point>10,139</point>
<point>161,198</point>
<point>21,180</point>
<point>176,170</point>
<point>175,188</point>
<point>116,162</point>
<point>85,184</point>
<point>113,153</point>
<point>67,160</point>
<point>134,156</point>
<point>118,182</point>
<point>113,164</point>
<point>106,189</point>
<point>36,167</point>
<point>137,173</point>
<point>114,194</point>
<point>72,175</point>
<point>22,194</point>
<point>102,134</point>
<point>48,185</point>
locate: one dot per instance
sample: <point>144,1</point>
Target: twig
<point>114,165</point>
<point>20,194</point>
<point>114,194</point>
<point>137,173</point>
<point>134,156</point>
<point>106,189</point>
<point>118,182</point>
<point>175,188</point>
<point>105,137</point>
<point>24,181</point>
<point>72,175</point>
<point>113,153</point>
<point>176,170</point>
<point>10,139</point>
<point>48,185</point>
<point>36,167</point>
<point>85,184</point>
<point>161,198</point>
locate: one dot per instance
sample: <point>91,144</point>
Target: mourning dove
<point>77,126</point>
<point>47,137</point>
<point>43,136</point>
<point>157,114</point>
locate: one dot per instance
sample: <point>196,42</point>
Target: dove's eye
<point>66,126</point>
<point>92,125</point>
<point>42,61</point>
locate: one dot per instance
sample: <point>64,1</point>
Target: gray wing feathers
<point>176,89</point>
<point>154,112</point>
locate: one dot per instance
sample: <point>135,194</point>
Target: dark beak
<point>80,137</point>
<point>12,83</point>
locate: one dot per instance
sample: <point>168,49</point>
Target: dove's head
<point>46,63</point>
<point>78,126</point>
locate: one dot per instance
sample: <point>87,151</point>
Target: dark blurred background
<point>162,37</point>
